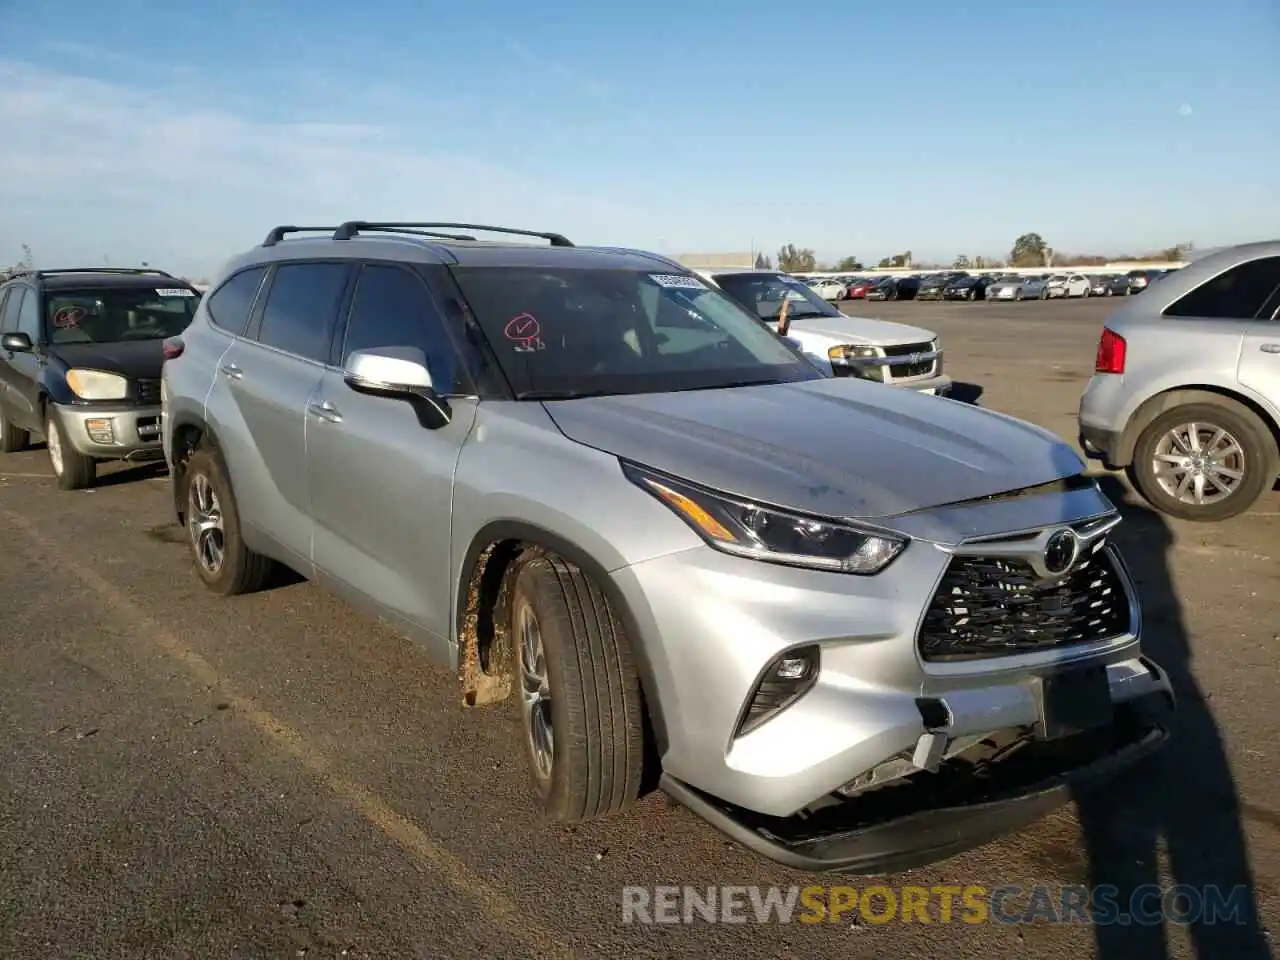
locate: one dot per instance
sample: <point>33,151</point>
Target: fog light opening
<point>784,681</point>
<point>100,430</point>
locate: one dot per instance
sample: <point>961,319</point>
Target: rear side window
<point>1237,294</point>
<point>29,317</point>
<point>302,303</point>
<point>4,295</point>
<point>230,304</point>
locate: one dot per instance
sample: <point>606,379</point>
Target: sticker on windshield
<point>68,317</point>
<point>175,292</point>
<point>677,281</point>
<point>523,330</point>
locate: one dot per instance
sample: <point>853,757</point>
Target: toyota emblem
<point>1061,552</point>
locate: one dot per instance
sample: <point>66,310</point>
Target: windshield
<point>117,314</point>
<point>562,333</point>
<point>764,293</point>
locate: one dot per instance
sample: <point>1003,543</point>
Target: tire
<point>1017,297</point>
<point>1252,437</point>
<point>72,470</point>
<point>12,440</point>
<point>971,295</point>
<point>1044,294</point>
<point>591,688</point>
<point>238,569</point>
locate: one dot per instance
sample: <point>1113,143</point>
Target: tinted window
<point>764,293</point>
<point>1237,294</point>
<point>29,317</point>
<point>118,314</point>
<point>4,295</point>
<point>392,308</point>
<point>301,305</point>
<point>230,304</point>
<point>11,305</point>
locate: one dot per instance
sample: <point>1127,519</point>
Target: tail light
<point>173,348</point>
<point>1111,352</point>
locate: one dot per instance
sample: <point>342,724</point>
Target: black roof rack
<point>118,271</point>
<point>353,228</point>
<point>278,233</point>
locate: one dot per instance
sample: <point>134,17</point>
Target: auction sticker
<point>175,292</point>
<point>677,281</point>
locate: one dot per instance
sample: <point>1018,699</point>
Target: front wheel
<point>579,693</point>
<point>1044,294</point>
<point>1204,461</point>
<point>71,469</point>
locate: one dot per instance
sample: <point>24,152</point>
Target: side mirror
<point>398,373</point>
<point>15,343</point>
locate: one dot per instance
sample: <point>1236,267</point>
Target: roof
<point>79,279</point>
<point>462,253</point>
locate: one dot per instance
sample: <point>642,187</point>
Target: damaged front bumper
<point>933,815</point>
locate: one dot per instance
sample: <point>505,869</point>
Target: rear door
<point>270,375</point>
<point>381,484</point>
<point>21,371</point>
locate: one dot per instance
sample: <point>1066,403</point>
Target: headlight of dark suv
<point>769,533</point>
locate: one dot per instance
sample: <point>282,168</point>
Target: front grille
<point>922,369</point>
<point>996,606</point>
<point>906,349</point>
<point>148,391</point>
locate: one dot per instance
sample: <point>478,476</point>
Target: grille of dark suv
<point>996,606</point>
<point>148,391</point>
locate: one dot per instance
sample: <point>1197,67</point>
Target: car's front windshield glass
<point>579,332</point>
<point>765,293</point>
<point>117,314</point>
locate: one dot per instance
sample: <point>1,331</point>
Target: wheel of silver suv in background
<point>1204,461</point>
<point>578,692</point>
<point>12,439</point>
<point>222,560</point>
<point>71,469</point>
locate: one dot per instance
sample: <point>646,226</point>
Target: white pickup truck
<point>890,353</point>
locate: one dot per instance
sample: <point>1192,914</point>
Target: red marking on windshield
<point>68,317</point>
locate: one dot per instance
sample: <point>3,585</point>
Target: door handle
<point>1270,348</point>
<point>232,371</point>
<point>325,411</point>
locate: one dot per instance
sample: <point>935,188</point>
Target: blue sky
<point>180,133</point>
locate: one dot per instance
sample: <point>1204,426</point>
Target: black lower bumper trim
<point>1098,444</point>
<point>845,842</point>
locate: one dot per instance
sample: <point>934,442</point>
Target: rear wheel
<point>71,469</point>
<point>11,438</point>
<point>579,702</point>
<point>222,560</point>
<point>1205,461</point>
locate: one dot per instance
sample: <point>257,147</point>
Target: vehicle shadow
<point>131,473</point>
<point>1184,800</point>
<point>966,392</point>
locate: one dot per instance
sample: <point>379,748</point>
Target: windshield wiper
<point>736,383</point>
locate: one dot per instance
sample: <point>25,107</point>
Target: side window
<point>4,295</point>
<point>29,317</point>
<point>9,322</point>
<point>229,306</point>
<point>1237,294</point>
<point>301,304</point>
<point>393,308</point>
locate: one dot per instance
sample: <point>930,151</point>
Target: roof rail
<point>426,233</point>
<point>353,228</point>
<point>122,271</point>
<point>278,233</point>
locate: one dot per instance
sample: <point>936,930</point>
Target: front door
<point>382,484</point>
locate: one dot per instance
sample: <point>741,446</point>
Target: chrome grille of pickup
<point>901,371</point>
<point>996,606</point>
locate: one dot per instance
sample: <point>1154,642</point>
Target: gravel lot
<point>278,776</point>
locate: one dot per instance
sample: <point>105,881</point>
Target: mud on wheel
<point>578,692</point>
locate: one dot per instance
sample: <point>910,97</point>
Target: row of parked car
<point>962,285</point>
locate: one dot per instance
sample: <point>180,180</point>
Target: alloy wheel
<point>1198,463</point>
<point>205,524</point>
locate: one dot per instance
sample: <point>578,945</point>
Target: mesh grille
<point>996,606</point>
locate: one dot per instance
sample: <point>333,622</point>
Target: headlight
<point>767,533</point>
<point>96,385</point>
<point>845,353</point>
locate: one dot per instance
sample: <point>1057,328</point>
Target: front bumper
<point>114,431</point>
<point>924,824</point>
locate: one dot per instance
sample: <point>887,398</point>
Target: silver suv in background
<point>856,627</point>
<point>1186,393</point>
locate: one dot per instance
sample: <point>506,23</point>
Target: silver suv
<point>1186,393</point>
<point>851,627</point>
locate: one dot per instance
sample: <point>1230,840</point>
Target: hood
<point>834,447</point>
<point>136,359</point>
<point>857,331</point>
